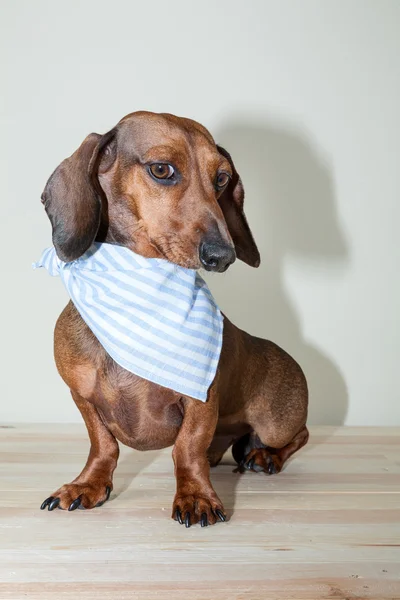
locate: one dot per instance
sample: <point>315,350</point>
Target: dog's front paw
<point>78,495</point>
<point>196,509</point>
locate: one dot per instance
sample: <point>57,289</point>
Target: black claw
<point>187,519</point>
<point>46,502</point>
<point>220,514</point>
<point>54,503</point>
<point>204,520</point>
<point>178,516</point>
<point>108,492</point>
<point>74,505</point>
<point>250,464</point>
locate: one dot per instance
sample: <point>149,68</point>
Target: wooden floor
<point>327,527</point>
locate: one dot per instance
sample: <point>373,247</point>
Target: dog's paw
<point>260,460</point>
<point>190,510</point>
<point>78,495</point>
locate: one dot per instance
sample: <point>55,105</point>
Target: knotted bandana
<point>154,318</point>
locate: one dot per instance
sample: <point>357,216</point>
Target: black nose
<point>215,256</point>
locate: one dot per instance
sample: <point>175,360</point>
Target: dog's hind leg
<point>251,454</point>
<point>93,486</point>
<point>219,446</point>
<point>277,415</point>
<point>222,441</point>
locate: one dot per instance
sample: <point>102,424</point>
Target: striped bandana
<point>154,318</point>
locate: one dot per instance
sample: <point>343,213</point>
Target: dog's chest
<point>139,413</point>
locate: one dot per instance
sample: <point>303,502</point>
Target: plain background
<point>305,95</point>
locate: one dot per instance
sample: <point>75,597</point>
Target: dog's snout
<point>216,256</point>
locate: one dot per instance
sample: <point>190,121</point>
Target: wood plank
<point>327,527</point>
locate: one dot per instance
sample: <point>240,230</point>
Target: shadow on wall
<point>293,192</point>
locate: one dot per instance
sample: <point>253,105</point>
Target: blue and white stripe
<point>154,318</point>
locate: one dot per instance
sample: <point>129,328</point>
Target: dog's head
<point>157,184</point>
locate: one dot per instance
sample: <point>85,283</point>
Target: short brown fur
<point>258,400</point>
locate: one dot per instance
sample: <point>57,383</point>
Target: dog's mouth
<point>173,251</point>
<point>216,270</point>
<point>213,256</point>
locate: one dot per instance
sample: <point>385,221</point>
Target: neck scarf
<point>155,319</point>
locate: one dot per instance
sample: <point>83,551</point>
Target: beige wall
<point>305,95</point>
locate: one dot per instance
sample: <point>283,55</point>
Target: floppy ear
<point>72,197</point>
<point>231,202</point>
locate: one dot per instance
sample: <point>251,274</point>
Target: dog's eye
<point>162,171</point>
<point>221,180</point>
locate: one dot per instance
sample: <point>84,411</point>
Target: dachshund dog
<point>160,186</point>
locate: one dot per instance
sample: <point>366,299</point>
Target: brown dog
<point>159,185</point>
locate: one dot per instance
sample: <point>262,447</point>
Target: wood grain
<point>327,527</point>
